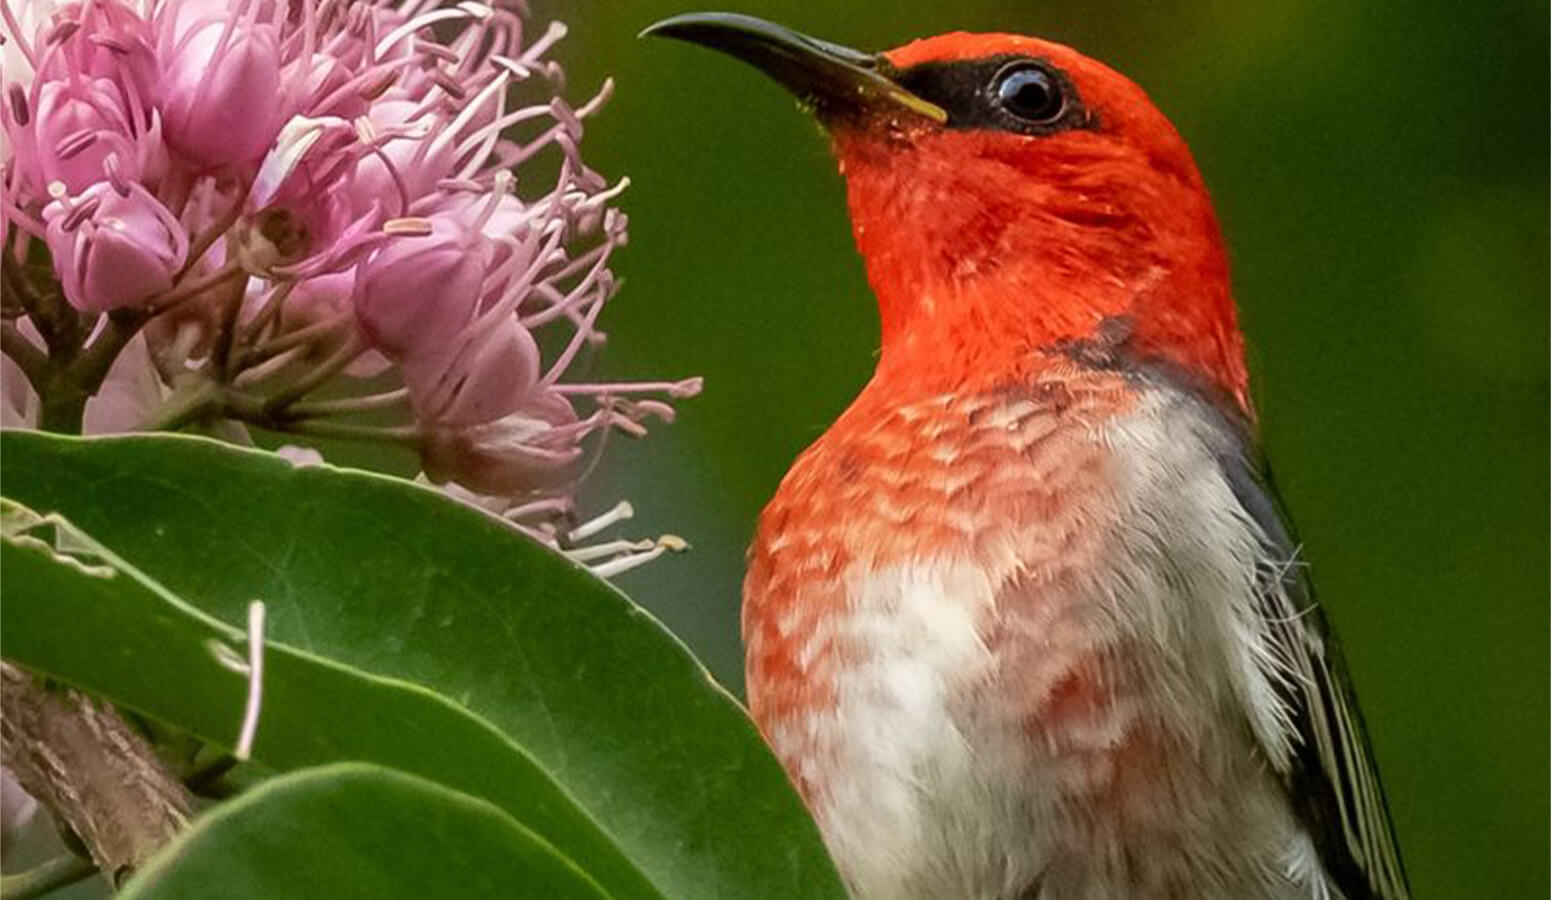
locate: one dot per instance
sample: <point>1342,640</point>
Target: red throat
<point>991,252</point>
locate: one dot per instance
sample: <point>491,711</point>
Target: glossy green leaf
<point>75,610</point>
<point>400,582</point>
<point>358,830</point>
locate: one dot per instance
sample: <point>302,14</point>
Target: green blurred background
<point>1381,172</point>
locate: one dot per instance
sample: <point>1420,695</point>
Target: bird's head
<point>1015,202</point>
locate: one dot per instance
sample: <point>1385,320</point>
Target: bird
<point>1028,621</point>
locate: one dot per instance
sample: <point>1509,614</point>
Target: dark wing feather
<point>1332,782</point>
<point>1331,778</point>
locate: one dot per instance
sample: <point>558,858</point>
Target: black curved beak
<point>834,81</point>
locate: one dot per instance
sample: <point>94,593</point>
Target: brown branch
<point>58,324</point>
<point>91,770</point>
<point>28,357</point>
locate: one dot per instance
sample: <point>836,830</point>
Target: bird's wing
<point>1328,767</point>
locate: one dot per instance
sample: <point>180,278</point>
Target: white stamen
<point>621,511</point>
<point>609,548</point>
<point>666,543</point>
<point>250,715</point>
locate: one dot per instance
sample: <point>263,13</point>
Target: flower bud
<point>105,39</point>
<point>530,450</point>
<point>73,120</point>
<point>415,296</point>
<point>113,251</point>
<point>220,92</point>
<point>487,379</point>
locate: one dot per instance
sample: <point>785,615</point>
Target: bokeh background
<point>1381,172</point>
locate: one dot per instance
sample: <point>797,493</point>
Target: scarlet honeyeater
<point>1026,623</point>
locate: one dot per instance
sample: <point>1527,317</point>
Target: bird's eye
<point>1029,93</point>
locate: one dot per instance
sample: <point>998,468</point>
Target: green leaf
<point>76,610</point>
<point>358,830</point>
<point>401,582</point>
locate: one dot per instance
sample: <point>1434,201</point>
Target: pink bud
<point>112,251</point>
<point>220,92</point>
<point>488,378</point>
<point>415,296</point>
<point>533,449</point>
<point>103,39</point>
<point>75,120</point>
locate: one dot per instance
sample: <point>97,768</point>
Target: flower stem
<point>57,323</point>
<point>316,408</point>
<point>186,405</point>
<point>213,234</point>
<point>291,339</point>
<point>353,347</point>
<point>91,367</point>
<point>266,316</point>
<point>186,289</point>
<point>67,385</point>
<point>406,435</point>
<point>32,361</point>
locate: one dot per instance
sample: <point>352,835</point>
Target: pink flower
<point>488,376</point>
<point>113,250</point>
<point>521,453</point>
<point>319,198</point>
<point>88,101</point>
<point>220,91</point>
<point>102,40</point>
<point>79,124</point>
<point>417,294</point>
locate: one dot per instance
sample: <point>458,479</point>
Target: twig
<point>292,339</point>
<point>57,323</point>
<point>353,347</point>
<point>187,289</point>
<point>15,284</point>
<point>91,770</point>
<point>316,408</point>
<point>207,240</point>
<point>269,314</point>
<point>91,367</point>
<point>186,405</point>
<point>32,361</point>
<point>63,394</point>
<point>403,434</point>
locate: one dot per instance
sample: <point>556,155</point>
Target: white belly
<point>901,755</point>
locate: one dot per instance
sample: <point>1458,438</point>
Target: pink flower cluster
<point>310,217</point>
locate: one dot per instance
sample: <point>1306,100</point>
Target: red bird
<point>1026,623</point>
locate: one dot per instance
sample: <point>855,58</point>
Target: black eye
<point>1028,92</point>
